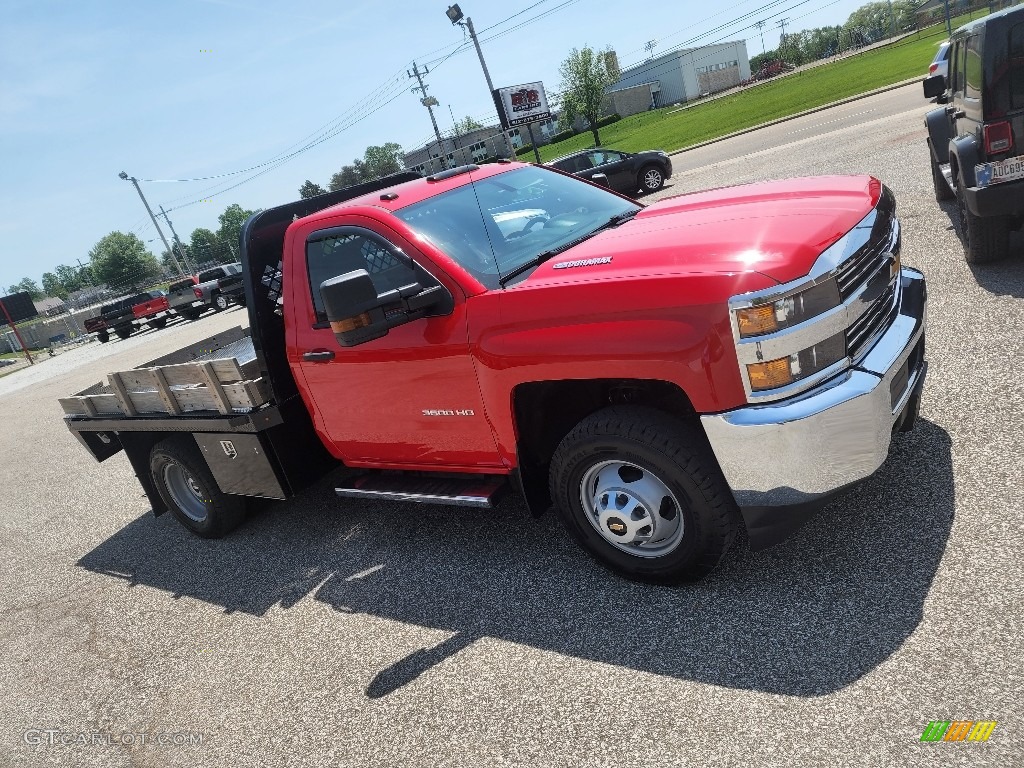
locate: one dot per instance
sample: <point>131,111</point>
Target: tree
<point>310,189</point>
<point>205,246</point>
<point>585,75</point>
<point>121,261</point>
<point>376,163</point>
<point>65,280</point>
<point>231,222</point>
<point>465,125</point>
<point>383,161</point>
<point>27,285</point>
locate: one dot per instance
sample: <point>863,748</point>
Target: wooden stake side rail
<point>223,386</point>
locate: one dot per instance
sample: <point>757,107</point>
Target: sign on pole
<point>19,307</point>
<point>521,104</point>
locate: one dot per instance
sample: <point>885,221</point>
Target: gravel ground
<point>333,633</point>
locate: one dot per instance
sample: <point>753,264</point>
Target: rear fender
<point>937,123</point>
<point>964,152</point>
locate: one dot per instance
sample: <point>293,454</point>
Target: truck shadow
<point>805,618</point>
<point>1003,278</point>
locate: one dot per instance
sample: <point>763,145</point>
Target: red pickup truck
<point>125,316</point>
<point>660,375</point>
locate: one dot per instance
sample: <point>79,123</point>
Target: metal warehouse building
<point>686,74</point>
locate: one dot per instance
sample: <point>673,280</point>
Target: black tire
<point>943,191</point>
<point>124,331</point>
<point>191,314</point>
<point>220,302</point>
<point>158,322</point>
<point>103,336</point>
<point>985,238</point>
<point>186,486</point>
<point>635,439</point>
<point>651,178</point>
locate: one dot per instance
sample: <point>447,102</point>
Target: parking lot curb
<point>794,116</point>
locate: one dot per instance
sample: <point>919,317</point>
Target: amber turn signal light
<point>755,321</point>
<point>774,373</point>
<point>351,323</point>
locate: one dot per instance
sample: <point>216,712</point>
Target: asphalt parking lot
<point>372,634</point>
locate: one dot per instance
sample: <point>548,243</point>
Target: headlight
<point>772,316</point>
<point>807,362</point>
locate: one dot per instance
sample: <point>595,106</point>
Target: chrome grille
<point>870,264</point>
<point>860,267</point>
<point>869,326</point>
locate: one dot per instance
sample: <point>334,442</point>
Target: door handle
<point>318,356</point>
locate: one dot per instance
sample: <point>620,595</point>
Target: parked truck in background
<point>125,316</point>
<point>662,375</point>
<point>182,298</point>
<point>220,286</point>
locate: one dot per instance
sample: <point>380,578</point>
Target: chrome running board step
<point>484,491</point>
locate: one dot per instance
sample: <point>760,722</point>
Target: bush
<point>523,150</point>
<point>609,119</point>
<point>562,136</point>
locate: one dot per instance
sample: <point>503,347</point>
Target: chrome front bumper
<point>798,450</point>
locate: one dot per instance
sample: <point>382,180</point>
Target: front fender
<point>937,123</point>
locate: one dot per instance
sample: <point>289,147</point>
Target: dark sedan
<point>627,172</point>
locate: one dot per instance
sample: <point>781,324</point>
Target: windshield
<point>494,225</point>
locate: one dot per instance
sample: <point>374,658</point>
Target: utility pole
<point>760,28</point>
<point>454,14</point>
<point>949,25</point>
<point>649,46</point>
<point>125,177</point>
<point>782,37</point>
<point>427,102</point>
<point>892,19</point>
<point>177,242</point>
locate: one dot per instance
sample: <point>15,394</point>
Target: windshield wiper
<point>540,258</point>
<point>617,219</point>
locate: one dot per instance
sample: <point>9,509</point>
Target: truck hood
<point>775,228</point>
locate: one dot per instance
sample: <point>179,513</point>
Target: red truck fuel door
<point>409,398</point>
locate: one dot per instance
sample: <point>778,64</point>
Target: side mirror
<point>356,311</point>
<point>934,86</point>
<point>353,308</point>
<point>600,178</point>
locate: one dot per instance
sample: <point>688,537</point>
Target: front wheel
<point>124,331</point>
<point>642,493</point>
<point>158,322</point>
<point>220,301</point>
<point>186,486</point>
<point>986,238</point>
<point>651,179</point>
<point>103,336</point>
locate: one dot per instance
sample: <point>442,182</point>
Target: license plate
<point>1011,169</point>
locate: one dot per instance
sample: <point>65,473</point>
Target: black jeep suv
<point>977,138</point>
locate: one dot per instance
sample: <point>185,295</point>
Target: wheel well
<point>545,412</point>
<point>138,446</point>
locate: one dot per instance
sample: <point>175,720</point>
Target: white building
<point>686,74</point>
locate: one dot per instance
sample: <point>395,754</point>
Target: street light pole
<point>454,14</point>
<point>125,177</point>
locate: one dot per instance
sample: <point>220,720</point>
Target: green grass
<point>671,129</point>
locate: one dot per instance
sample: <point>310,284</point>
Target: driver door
<point>408,400</point>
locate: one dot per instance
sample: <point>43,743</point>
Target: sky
<point>190,89</point>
